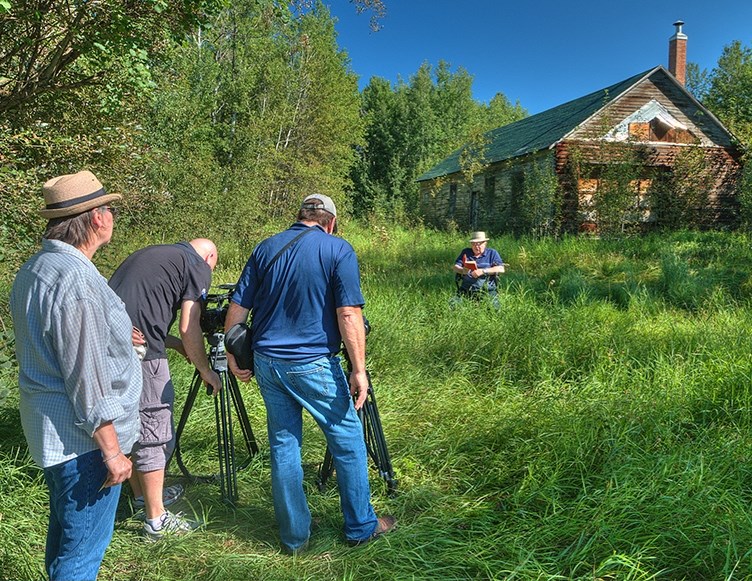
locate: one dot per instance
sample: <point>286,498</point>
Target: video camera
<point>214,310</point>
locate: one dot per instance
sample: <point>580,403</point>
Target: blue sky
<point>539,52</point>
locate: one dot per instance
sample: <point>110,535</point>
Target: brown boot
<point>384,525</point>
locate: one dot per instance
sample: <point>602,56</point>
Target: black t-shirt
<point>153,283</point>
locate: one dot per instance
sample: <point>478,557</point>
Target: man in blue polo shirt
<point>303,288</point>
<point>477,268</point>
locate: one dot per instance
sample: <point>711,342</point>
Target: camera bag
<point>238,341</point>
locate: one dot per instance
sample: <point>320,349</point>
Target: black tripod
<point>373,435</point>
<point>228,397</point>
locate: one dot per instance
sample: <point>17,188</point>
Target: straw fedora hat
<point>73,194</point>
<point>479,236</point>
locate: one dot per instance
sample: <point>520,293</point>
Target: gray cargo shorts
<point>156,440</point>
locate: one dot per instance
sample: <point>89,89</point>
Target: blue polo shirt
<point>294,309</point>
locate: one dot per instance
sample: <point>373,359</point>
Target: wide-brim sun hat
<point>73,194</point>
<point>479,236</point>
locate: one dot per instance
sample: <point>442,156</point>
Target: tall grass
<point>597,426</point>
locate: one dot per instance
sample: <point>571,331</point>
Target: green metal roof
<point>539,131</point>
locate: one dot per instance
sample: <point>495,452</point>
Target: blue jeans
<point>321,388</point>
<point>81,517</point>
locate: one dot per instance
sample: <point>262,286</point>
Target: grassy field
<point>596,427</point>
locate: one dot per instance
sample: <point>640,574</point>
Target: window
<point>452,199</point>
<point>489,193</point>
<point>474,207</point>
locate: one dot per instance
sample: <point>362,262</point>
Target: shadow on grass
<point>11,434</point>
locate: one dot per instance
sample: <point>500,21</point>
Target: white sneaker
<point>169,524</point>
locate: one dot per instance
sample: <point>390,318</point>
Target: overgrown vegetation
<point>679,198</point>
<point>727,91</point>
<point>622,192</point>
<point>540,204</point>
<point>596,427</point>
<point>412,126</point>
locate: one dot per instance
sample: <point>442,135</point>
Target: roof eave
<point>702,107</point>
<point>619,96</point>
<point>425,178</point>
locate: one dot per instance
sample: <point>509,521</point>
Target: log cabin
<point>554,170</point>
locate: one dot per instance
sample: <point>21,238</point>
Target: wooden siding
<point>664,90</point>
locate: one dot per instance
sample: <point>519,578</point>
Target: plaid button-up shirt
<point>77,366</point>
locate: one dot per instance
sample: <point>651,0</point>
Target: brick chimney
<point>677,53</point>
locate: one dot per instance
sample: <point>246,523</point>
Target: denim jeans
<point>81,517</point>
<point>321,388</point>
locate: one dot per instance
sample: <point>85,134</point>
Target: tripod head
<point>213,313</point>
<point>215,340</point>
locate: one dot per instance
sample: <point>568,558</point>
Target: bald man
<point>155,283</point>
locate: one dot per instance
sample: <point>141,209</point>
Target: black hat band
<point>75,201</point>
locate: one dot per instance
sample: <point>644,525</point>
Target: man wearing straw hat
<point>477,268</point>
<point>79,376</point>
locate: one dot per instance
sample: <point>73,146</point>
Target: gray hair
<point>74,230</point>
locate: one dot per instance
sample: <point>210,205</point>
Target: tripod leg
<point>231,467</point>
<point>229,397</point>
<point>221,443</point>
<point>190,399</point>
<point>225,444</point>
<point>242,414</point>
<point>325,470</point>
<point>376,448</point>
<point>375,440</point>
